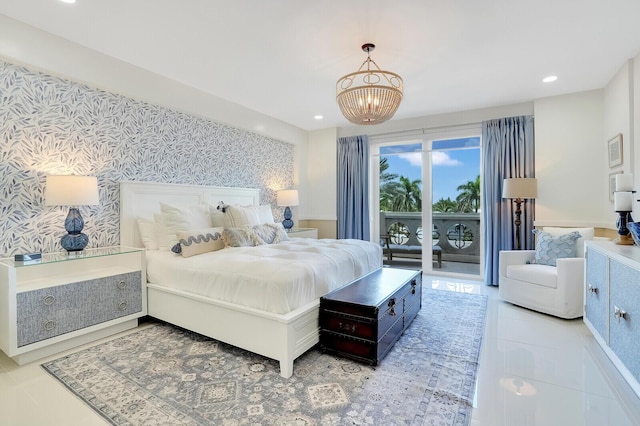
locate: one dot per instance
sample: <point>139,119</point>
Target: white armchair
<point>554,290</point>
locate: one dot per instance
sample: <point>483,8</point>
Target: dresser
<point>364,319</point>
<point>612,304</point>
<point>65,300</point>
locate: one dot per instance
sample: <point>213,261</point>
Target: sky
<point>452,166</point>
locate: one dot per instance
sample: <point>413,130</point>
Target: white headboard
<point>142,199</point>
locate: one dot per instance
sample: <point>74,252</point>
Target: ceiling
<point>283,57</point>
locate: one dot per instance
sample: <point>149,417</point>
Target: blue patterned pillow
<point>550,248</point>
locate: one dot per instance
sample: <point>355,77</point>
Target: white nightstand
<point>63,301</point>
<point>303,233</point>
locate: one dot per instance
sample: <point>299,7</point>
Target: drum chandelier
<point>369,95</point>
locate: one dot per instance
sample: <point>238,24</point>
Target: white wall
<point>572,181</point>
<point>439,120</point>
<point>322,175</point>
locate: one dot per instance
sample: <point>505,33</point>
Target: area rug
<point>164,375</point>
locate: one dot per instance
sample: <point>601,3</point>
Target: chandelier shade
<point>369,95</point>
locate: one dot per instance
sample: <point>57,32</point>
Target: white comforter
<point>277,278</point>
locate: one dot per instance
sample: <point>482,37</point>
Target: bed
<point>283,330</point>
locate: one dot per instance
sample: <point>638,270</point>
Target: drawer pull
<point>392,302</point>
<point>619,313</point>
<point>122,284</point>
<point>413,287</point>
<point>49,325</point>
<point>48,300</point>
<point>122,306</point>
<point>593,290</point>
<point>392,312</point>
<point>347,327</point>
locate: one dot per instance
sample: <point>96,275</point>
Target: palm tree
<point>384,176</point>
<point>445,206</point>
<point>469,199</point>
<point>389,188</point>
<point>409,199</point>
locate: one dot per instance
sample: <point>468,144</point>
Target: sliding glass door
<point>400,202</point>
<point>431,183</point>
<point>455,204</point>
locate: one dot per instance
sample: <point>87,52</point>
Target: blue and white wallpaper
<point>49,125</point>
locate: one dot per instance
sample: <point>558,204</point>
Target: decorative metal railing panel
<point>457,234</point>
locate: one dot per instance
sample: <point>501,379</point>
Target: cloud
<point>440,158</point>
<point>414,158</point>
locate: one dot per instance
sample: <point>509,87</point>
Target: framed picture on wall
<point>615,151</point>
<point>612,184</point>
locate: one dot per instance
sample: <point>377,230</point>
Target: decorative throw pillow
<point>147,230</point>
<point>178,219</point>
<point>585,234</point>
<point>191,243</point>
<point>241,237</point>
<point>271,233</point>
<point>240,216</point>
<point>550,248</point>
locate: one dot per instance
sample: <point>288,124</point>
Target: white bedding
<point>277,278</point>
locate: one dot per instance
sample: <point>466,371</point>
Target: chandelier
<point>371,95</point>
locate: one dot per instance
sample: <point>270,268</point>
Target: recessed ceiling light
<point>68,1</point>
<point>318,117</point>
<point>550,79</point>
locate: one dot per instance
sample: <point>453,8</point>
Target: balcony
<point>457,235</point>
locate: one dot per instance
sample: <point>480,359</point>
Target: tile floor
<point>534,370</point>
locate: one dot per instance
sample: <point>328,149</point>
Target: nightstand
<point>66,300</point>
<point>303,233</point>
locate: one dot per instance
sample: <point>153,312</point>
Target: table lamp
<point>287,198</point>
<point>72,191</point>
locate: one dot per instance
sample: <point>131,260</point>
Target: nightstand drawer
<point>49,312</point>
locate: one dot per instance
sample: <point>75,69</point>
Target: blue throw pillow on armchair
<point>550,248</point>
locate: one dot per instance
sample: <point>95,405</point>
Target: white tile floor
<point>534,370</point>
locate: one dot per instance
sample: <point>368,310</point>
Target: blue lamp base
<point>287,222</point>
<point>75,240</point>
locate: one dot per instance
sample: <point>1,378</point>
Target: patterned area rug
<point>163,375</point>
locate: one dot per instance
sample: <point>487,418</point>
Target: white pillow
<point>241,216</point>
<point>148,235</point>
<point>585,234</point>
<point>217,217</point>
<point>266,215</point>
<point>162,236</point>
<point>177,219</point>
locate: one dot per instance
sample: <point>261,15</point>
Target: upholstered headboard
<point>142,199</point>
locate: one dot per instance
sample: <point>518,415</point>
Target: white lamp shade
<point>624,182</point>
<point>71,190</point>
<point>623,201</point>
<point>287,197</point>
<point>520,188</point>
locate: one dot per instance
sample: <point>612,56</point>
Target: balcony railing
<point>457,234</point>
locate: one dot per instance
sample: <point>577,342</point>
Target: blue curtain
<point>353,187</point>
<point>508,152</point>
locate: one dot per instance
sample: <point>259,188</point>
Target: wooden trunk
<point>365,318</point>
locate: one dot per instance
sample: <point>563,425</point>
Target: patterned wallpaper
<point>50,125</point>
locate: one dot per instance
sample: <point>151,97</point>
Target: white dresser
<point>63,301</point>
<point>612,304</point>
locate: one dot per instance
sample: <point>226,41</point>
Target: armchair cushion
<point>543,275</point>
<point>550,248</point>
